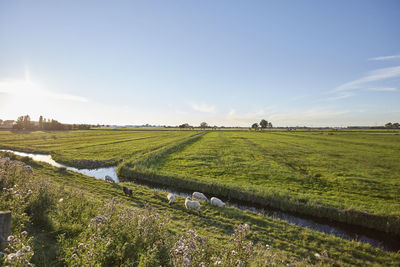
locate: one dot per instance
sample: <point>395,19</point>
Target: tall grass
<point>54,225</point>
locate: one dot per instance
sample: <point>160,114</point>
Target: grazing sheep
<point>199,196</point>
<point>109,179</point>
<point>217,202</point>
<point>127,191</point>
<point>171,198</point>
<point>190,204</point>
<point>28,169</point>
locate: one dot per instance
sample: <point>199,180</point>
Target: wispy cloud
<point>377,75</point>
<point>383,89</point>
<point>341,95</point>
<point>204,108</point>
<point>385,58</point>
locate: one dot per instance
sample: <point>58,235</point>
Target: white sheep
<point>109,179</point>
<point>190,204</point>
<point>217,202</point>
<point>199,196</point>
<point>171,198</point>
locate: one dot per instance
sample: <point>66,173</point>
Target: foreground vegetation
<point>69,219</point>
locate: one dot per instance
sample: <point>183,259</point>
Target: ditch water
<point>376,238</point>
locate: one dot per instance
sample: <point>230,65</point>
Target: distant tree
<point>185,125</point>
<point>1,122</point>
<point>255,126</point>
<point>203,125</point>
<point>27,122</point>
<point>263,124</point>
<point>396,125</point>
<point>20,123</point>
<point>270,125</point>
<point>41,122</point>
<point>389,125</point>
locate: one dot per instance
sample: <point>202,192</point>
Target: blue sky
<point>232,63</point>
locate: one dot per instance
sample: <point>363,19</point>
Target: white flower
<point>29,191</point>
<point>217,262</point>
<point>24,233</point>
<point>60,200</point>
<point>317,255</point>
<point>10,238</point>
<point>20,253</point>
<point>11,256</point>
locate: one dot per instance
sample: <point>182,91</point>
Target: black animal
<point>127,191</point>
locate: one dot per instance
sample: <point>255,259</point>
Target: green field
<point>348,176</point>
<point>107,147</point>
<point>60,233</point>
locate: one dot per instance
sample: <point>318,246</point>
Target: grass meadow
<point>348,176</point>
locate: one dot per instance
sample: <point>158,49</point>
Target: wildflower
<point>24,233</point>
<point>217,262</point>
<point>186,261</point>
<point>26,248</point>
<point>239,263</point>
<point>60,200</point>
<point>29,191</point>
<point>10,238</point>
<point>11,256</point>
<point>317,255</point>
<point>20,253</point>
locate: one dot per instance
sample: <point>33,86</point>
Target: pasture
<point>348,176</point>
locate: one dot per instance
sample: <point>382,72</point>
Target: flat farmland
<point>106,146</point>
<point>346,176</point>
<point>349,170</point>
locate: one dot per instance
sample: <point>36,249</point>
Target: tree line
<point>25,123</point>
<point>262,125</point>
<point>390,125</point>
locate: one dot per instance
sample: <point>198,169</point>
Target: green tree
<point>20,123</point>
<point>263,124</point>
<point>203,125</point>
<point>41,122</point>
<point>270,125</point>
<point>389,125</point>
<point>255,126</point>
<point>27,122</point>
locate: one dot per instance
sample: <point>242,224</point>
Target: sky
<point>231,63</point>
